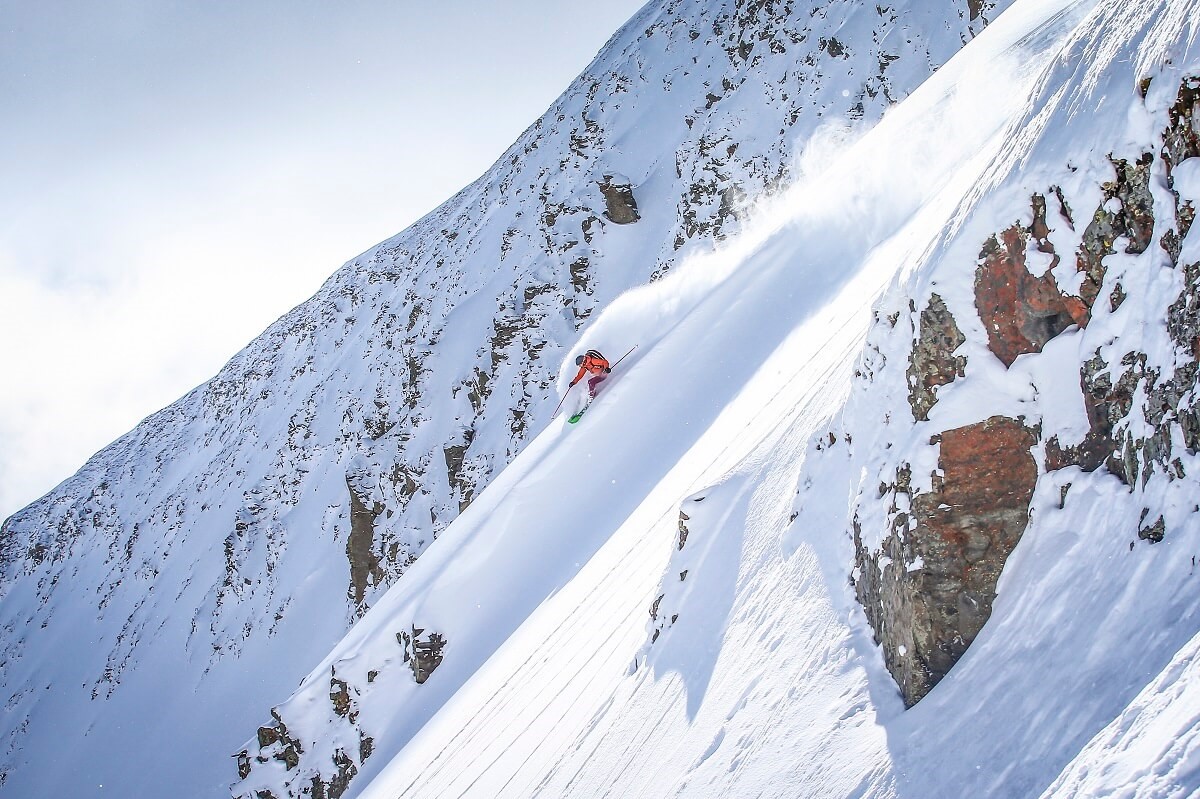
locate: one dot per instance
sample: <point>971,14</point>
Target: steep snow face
<point>771,476</point>
<point>190,573</point>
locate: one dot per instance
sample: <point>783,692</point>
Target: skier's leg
<point>593,383</point>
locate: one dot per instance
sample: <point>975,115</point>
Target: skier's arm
<point>579,376</point>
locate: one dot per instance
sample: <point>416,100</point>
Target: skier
<point>595,364</point>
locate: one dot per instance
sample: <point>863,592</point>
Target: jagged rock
<point>1181,139</point>
<point>978,7</point>
<point>267,736</point>
<point>1020,312</point>
<point>683,529</point>
<point>243,764</point>
<point>422,656</point>
<point>290,755</point>
<point>1154,532</point>
<point>929,590</point>
<point>460,484</point>
<point>1170,402</point>
<point>337,785</point>
<point>620,205</point>
<point>932,362</point>
<point>366,745</point>
<point>1183,317</point>
<point>1134,220</point>
<point>360,544</point>
<point>1106,404</point>
<point>339,695</point>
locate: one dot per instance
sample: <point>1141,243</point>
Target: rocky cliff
<point>928,584</point>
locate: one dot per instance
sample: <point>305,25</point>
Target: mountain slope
<point>887,376</point>
<point>191,572</point>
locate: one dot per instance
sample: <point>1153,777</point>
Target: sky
<point>174,176</point>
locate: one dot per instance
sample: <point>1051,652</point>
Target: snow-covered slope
<point>157,603</point>
<point>924,437</point>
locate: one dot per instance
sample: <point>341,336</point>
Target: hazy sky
<point>176,175</point>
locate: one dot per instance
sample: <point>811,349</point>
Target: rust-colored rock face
<point>1021,312</point>
<point>929,590</point>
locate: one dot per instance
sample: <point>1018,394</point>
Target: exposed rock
<point>620,205</point>
<point>460,483</point>
<point>422,656</point>
<point>274,743</point>
<point>1170,410</point>
<point>337,785</point>
<point>1171,243</point>
<point>267,736</point>
<point>360,544</point>
<point>1155,532</point>
<point>1117,297</point>
<point>366,746</point>
<point>1106,405</point>
<point>978,7</point>
<point>929,590</point>
<point>243,764</point>
<point>1021,312</point>
<point>1181,139</point>
<point>683,530</point>
<point>339,695</point>
<point>932,362</point>
<point>1133,220</point>
<point>1183,317</point>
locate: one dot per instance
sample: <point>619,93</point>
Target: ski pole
<point>560,402</point>
<point>623,357</point>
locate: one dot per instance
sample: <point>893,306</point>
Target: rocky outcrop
<point>421,655</point>
<point>664,610</point>
<point>279,748</point>
<point>929,590</point>
<point>932,362</point>
<point>1181,139</point>
<point>360,551</point>
<point>928,586</point>
<point>1021,312</point>
<point>1132,219</point>
<point>620,207</point>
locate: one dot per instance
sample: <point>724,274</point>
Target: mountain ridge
<point>284,483</point>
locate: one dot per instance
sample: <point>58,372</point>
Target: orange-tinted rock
<point>1020,312</point>
<point>929,590</point>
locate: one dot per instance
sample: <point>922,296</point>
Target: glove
<point>607,370</point>
<point>573,382</point>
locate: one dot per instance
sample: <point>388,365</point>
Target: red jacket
<point>593,362</point>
